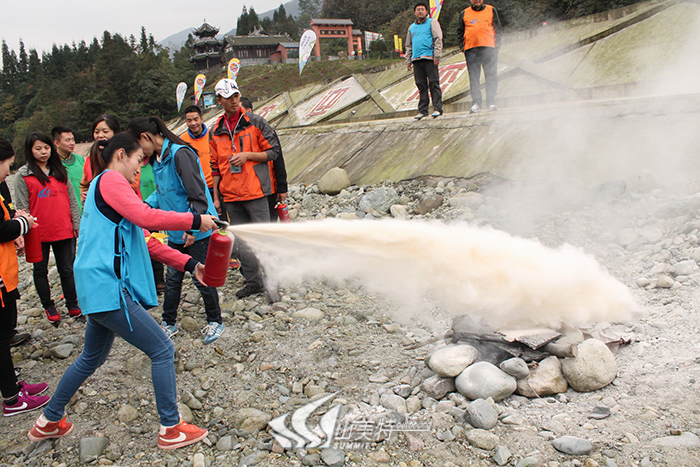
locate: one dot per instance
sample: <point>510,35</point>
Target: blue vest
<point>170,192</point>
<point>421,39</point>
<point>112,256</point>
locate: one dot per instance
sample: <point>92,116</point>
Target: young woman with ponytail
<point>181,188</point>
<point>115,286</point>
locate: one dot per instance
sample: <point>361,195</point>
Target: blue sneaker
<point>212,332</point>
<point>169,329</point>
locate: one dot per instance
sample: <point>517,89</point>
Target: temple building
<point>207,48</point>
<point>255,48</point>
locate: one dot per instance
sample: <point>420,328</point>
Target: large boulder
<point>437,387</point>
<point>379,200</point>
<point>452,360</point>
<point>481,414</point>
<point>429,203</point>
<point>544,380</point>
<point>483,380</point>
<point>593,368</point>
<point>251,420</point>
<point>334,181</point>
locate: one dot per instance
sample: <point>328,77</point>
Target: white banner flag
<point>306,45</point>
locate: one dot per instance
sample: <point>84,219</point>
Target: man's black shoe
<point>249,289</point>
<point>18,338</point>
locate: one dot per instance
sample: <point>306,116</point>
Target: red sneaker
<point>180,435</point>
<point>33,389</point>
<point>75,312</point>
<point>52,315</point>
<point>44,429</point>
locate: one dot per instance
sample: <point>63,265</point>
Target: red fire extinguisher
<point>282,211</point>
<point>218,256</point>
<point>32,244</point>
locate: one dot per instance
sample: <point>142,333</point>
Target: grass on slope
<point>258,82</point>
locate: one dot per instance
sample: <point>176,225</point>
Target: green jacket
<point>74,166</point>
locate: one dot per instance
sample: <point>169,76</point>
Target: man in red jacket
<point>479,30</point>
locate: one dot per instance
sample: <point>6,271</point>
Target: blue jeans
<point>173,285</point>
<point>146,336</point>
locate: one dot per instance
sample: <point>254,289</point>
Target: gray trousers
<point>247,212</point>
<point>486,58</point>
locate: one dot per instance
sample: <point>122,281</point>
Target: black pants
<point>486,57</point>
<point>173,285</point>
<point>64,253</point>
<point>247,212</point>
<point>158,271</point>
<point>8,321</point>
<point>427,77</point>
<point>272,202</point>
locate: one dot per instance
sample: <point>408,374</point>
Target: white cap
<point>226,88</point>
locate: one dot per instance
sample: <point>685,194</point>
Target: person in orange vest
<point>198,136</point>
<point>479,30</point>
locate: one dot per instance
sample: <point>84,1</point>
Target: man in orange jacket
<point>241,145</point>
<point>479,30</point>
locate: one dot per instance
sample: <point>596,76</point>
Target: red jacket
<point>50,204</point>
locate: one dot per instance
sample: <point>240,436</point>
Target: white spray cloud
<point>500,280</point>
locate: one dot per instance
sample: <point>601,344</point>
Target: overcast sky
<point>41,23</point>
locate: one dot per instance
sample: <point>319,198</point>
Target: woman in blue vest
<point>114,281</point>
<point>180,187</point>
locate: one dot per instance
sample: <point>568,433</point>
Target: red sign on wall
<point>265,111</point>
<point>448,75</point>
<point>328,101</point>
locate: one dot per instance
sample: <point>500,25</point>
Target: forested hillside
<point>131,77</point>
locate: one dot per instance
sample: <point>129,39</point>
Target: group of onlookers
<point>478,31</point>
<point>113,204</point>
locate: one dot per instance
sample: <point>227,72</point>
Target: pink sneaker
<point>33,389</point>
<point>25,403</point>
<point>44,429</point>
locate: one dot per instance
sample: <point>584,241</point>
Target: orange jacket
<point>201,145</point>
<point>478,27</point>
<point>9,267</point>
<point>251,134</point>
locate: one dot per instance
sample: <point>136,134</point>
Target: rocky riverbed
<point>333,338</point>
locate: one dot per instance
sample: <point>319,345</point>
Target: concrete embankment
<point>587,142</point>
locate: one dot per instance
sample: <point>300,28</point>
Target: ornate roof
<point>207,41</point>
<point>205,30</point>
<point>204,56</point>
